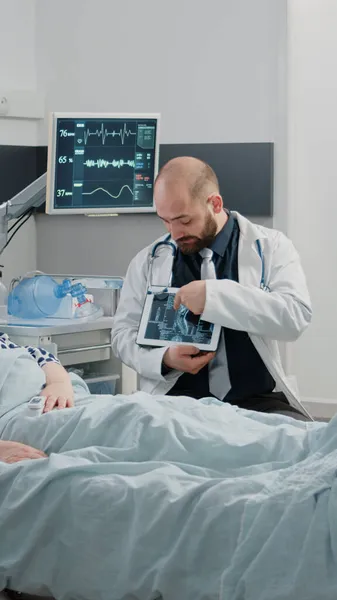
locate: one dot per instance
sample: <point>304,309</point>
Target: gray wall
<point>17,72</point>
<point>212,70</point>
<point>312,186</point>
<point>73,245</point>
<point>84,245</point>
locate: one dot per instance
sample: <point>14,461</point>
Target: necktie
<point>207,265</point>
<point>219,382</point>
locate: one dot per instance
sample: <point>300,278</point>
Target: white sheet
<point>170,496</point>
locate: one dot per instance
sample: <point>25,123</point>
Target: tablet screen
<point>163,324</point>
<point>166,323</point>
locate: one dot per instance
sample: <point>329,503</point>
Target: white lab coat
<point>268,317</point>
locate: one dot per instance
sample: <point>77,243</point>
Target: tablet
<point>162,325</point>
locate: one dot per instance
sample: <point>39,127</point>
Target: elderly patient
<point>142,497</point>
<point>55,387</point>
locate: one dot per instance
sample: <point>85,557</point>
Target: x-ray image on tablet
<point>162,325</point>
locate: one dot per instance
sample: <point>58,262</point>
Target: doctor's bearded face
<point>190,221</point>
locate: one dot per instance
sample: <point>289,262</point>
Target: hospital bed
<point>78,345</point>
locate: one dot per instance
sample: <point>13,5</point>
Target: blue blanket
<point>145,496</point>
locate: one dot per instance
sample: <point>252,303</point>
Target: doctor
<point>244,277</point>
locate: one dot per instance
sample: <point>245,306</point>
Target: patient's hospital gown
<point>41,356</point>
<point>142,496</point>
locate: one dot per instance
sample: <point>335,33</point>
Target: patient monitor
<point>98,164</point>
<point>102,163</point>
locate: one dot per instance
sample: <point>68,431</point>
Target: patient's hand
<point>58,395</point>
<point>12,452</point>
<point>59,390</point>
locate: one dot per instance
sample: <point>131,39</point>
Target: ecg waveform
<point>104,133</point>
<point>101,163</point>
<point>100,189</point>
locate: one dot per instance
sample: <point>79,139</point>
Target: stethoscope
<point>154,253</point>
<point>173,248</point>
<point>263,285</point>
<point>165,242</point>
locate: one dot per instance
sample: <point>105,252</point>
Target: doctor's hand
<point>187,359</point>
<point>12,452</point>
<point>193,296</point>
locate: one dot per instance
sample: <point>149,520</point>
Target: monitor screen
<point>102,163</point>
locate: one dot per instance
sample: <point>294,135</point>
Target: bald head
<point>194,175</point>
<point>187,199</point>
